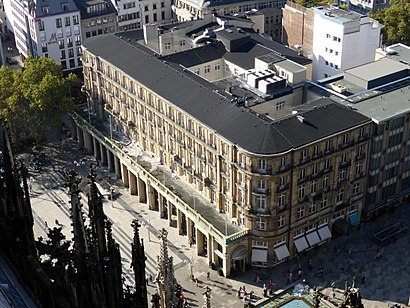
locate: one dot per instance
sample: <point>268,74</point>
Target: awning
<point>259,255</point>
<point>313,238</point>
<point>282,252</point>
<point>354,218</point>
<point>239,253</point>
<point>300,243</point>
<point>324,233</point>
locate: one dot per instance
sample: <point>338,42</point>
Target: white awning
<point>324,233</point>
<point>282,252</point>
<point>259,255</point>
<point>313,238</point>
<point>300,243</point>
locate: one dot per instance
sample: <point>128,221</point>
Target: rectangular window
<point>302,192</point>
<point>281,221</point>
<point>41,26</point>
<point>69,42</point>
<point>62,54</point>
<point>207,69</point>
<point>261,203</point>
<point>260,224</point>
<point>313,187</point>
<point>61,44</point>
<point>300,212</point>
<point>358,168</point>
<point>325,182</point>
<point>314,169</point>
<point>67,21</point>
<point>262,185</point>
<point>64,7</point>
<point>217,67</point>
<point>282,200</point>
<point>262,165</point>
<point>356,188</point>
<point>323,203</point>
<point>280,106</point>
<point>58,23</point>
<point>167,46</point>
<point>75,19</point>
<point>312,208</point>
<point>339,196</point>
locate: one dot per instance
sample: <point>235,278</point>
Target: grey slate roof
<point>55,7</point>
<point>245,55</point>
<point>281,49</point>
<point>198,55</point>
<point>237,125</point>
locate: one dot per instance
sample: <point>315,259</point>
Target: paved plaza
<point>387,280</point>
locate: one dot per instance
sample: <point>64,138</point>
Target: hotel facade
<point>279,184</point>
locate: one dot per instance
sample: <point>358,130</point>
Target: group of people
<point>242,293</point>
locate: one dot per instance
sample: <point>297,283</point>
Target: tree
<point>396,21</point>
<point>34,100</point>
<point>311,3</point>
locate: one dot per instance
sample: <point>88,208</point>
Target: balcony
<point>178,160</point>
<point>316,175</point>
<point>317,156</point>
<point>282,208</point>
<point>282,188</point>
<point>304,160</point>
<point>327,170</point>
<point>286,168</point>
<point>346,145</point>
<point>262,171</point>
<point>259,211</point>
<point>260,191</point>
<point>329,151</point>
<point>363,138</point>
<point>326,189</point>
<point>359,175</point>
<point>345,164</point>
<point>304,179</point>
<point>302,199</point>
<point>361,157</point>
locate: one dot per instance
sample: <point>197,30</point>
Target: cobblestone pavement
<point>386,280</point>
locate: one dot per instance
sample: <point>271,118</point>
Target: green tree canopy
<point>396,20</point>
<point>34,100</point>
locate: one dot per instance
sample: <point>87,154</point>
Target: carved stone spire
<point>138,265</point>
<point>207,297</point>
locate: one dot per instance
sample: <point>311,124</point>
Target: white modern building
<point>49,28</point>
<point>342,40</point>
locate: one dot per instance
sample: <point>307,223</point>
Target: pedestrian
<point>208,276</point>
<point>147,280</point>
<point>150,278</point>
<point>290,277</point>
<point>265,291</point>
<point>321,271</point>
<point>333,286</point>
<point>299,274</point>
<point>238,293</point>
<point>46,224</point>
<point>362,278</point>
<point>57,222</point>
<point>190,242</point>
<point>310,266</point>
<point>257,277</point>
<point>378,254</point>
<point>196,281</point>
<point>270,284</point>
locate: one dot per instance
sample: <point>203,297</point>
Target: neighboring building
<point>47,28</point>
<point>155,12</point>
<point>128,14</point>
<point>186,10</point>
<point>366,6</point>
<point>339,39</point>
<point>283,180</point>
<point>98,17</point>
<point>380,91</point>
<point>3,21</point>
<point>230,41</point>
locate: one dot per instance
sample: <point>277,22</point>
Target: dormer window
<point>64,7</point>
<point>46,10</point>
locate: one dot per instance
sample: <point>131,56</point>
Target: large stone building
<point>333,38</point>
<point>281,180</point>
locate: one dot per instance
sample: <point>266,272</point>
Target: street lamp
<point>191,261</point>
<point>112,202</point>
